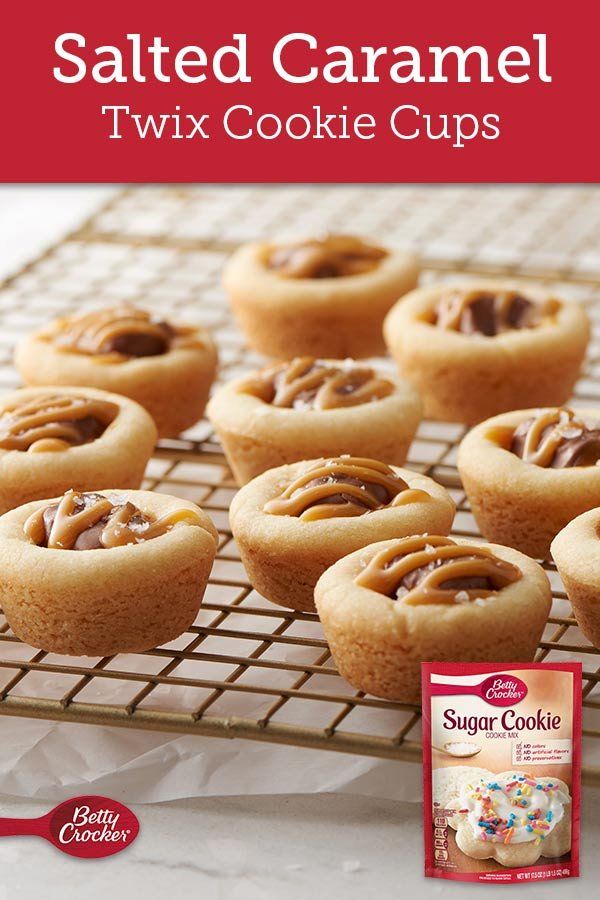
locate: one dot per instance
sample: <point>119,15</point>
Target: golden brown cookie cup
<point>467,378</point>
<point>518,503</point>
<point>576,552</point>
<point>99,602</point>
<point>117,458</point>
<point>285,556</point>
<point>378,644</point>
<point>173,386</point>
<point>283,317</point>
<point>257,436</point>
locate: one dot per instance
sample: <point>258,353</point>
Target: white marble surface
<point>244,848</point>
<point>260,848</point>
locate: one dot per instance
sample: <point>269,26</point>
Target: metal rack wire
<point>247,668</point>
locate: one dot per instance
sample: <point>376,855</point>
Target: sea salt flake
<point>351,865</point>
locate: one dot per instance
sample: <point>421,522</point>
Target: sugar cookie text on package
<point>510,720</point>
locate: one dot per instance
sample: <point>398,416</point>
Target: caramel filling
<point>554,439</point>
<point>430,569</point>
<point>490,313</point>
<point>120,333</point>
<point>93,522</point>
<point>345,486</point>
<point>54,423</point>
<point>308,383</point>
<point>334,256</point>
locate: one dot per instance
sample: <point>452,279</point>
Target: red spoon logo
<point>87,827</point>
<point>503,689</point>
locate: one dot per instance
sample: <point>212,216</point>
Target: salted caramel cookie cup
<point>101,573</point>
<point>320,297</point>
<point>166,367</point>
<point>291,523</point>
<point>394,604</point>
<point>56,438</point>
<point>528,473</point>
<point>576,552</point>
<point>310,408</point>
<point>476,350</point>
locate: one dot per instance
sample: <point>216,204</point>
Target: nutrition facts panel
<point>548,752</point>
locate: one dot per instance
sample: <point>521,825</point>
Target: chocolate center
<point>88,521</point>
<point>345,486</point>
<point>557,439</point>
<point>486,312</point>
<point>139,344</point>
<point>331,257</point>
<point>91,528</point>
<point>377,491</point>
<point>309,383</point>
<point>54,422</point>
<point>429,569</point>
<point>465,583</point>
<point>125,332</point>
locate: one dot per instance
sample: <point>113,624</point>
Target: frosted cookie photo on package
<point>501,771</point>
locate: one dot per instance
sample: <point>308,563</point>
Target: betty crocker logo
<point>87,827</point>
<point>503,690</point>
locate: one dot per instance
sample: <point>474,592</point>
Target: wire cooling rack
<point>247,668</point>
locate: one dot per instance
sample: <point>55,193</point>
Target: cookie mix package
<point>501,767</point>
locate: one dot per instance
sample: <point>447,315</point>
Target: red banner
<point>314,92</point>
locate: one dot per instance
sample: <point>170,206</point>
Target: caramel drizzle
<point>119,530</point>
<point>305,500</point>
<point>539,448</point>
<point>90,332</point>
<point>333,386</point>
<point>386,570</point>
<point>330,257</point>
<point>49,423</point>
<point>450,314</point>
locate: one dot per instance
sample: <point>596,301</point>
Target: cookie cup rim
<point>575,549</point>
<point>406,316</point>
<point>242,412</point>
<point>70,364</point>
<point>487,463</point>
<point>338,596</point>
<point>250,522</point>
<point>59,568</point>
<point>246,275</point>
<point>114,439</point>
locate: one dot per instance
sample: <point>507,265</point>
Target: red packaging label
<point>501,769</point>
<point>141,91</point>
